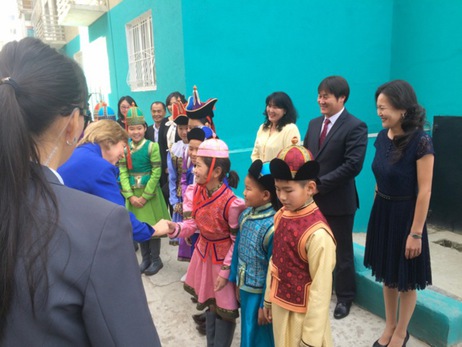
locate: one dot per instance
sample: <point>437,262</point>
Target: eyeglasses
<point>82,111</point>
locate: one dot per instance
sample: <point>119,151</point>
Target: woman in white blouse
<point>279,128</point>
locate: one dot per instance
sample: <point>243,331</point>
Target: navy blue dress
<point>392,215</point>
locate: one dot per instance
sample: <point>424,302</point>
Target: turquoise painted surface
<point>242,51</point>
<point>168,44</point>
<point>72,47</point>
<point>427,51</point>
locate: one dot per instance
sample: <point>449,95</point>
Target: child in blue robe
<point>252,251</point>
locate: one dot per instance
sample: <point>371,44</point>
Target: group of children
<point>273,262</point>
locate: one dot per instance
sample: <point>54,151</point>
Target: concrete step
<point>437,317</point>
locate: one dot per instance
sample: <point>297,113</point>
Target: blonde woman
<point>92,168</point>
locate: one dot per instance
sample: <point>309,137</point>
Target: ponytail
<point>37,85</point>
<point>233,179</point>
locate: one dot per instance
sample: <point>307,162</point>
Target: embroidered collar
<point>213,190</point>
<point>259,209</point>
<point>305,205</point>
<point>137,146</point>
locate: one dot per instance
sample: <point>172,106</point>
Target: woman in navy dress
<point>397,243</point>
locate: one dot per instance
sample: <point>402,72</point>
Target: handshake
<point>164,227</point>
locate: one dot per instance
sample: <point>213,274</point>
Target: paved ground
<point>172,309</point>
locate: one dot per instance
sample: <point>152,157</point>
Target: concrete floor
<point>171,307</point>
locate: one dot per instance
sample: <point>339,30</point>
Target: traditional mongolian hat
<point>294,163</point>
<point>213,148</point>
<point>106,112</point>
<point>97,108</point>
<point>197,109</point>
<point>135,116</point>
<point>261,173</point>
<point>200,133</point>
<point>179,113</point>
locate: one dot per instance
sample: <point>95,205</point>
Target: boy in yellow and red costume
<point>299,281</point>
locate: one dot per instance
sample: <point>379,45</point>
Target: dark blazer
<point>162,140</point>
<point>95,296</point>
<point>341,158</point>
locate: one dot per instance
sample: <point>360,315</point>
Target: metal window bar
<point>141,55</point>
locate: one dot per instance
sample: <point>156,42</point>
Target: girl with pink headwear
<point>211,206</point>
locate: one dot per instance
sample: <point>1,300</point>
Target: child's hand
<point>188,241</point>
<point>171,225</point>
<point>261,317</point>
<point>161,228</point>
<point>135,202</point>
<point>220,283</point>
<point>267,313</point>
<point>142,201</point>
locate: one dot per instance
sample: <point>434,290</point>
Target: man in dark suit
<point>338,141</point>
<point>157,132</point>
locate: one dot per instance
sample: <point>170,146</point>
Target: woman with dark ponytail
<point>397,248</point>
<point>68,274</point>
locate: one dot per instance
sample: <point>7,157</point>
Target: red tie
<point>324,132</point>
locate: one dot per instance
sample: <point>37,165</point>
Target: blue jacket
<point>87,171</point>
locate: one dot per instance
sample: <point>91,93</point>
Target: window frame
<point>141,74</point>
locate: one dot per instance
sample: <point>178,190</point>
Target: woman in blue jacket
<point>92,168</point>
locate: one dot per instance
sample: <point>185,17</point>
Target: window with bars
<point>141,58</point>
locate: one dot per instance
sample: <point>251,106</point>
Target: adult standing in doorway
<point>338,140</point>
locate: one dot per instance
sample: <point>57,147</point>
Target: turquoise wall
<point>427,52</point>
<point>242,51</point>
